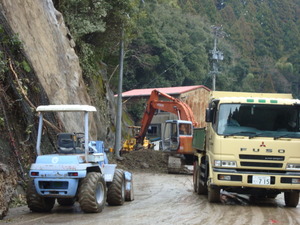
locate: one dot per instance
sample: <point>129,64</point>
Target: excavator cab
<point>176,134</point>
<point>177,139</point>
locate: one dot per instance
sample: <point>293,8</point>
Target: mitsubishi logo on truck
<point>262,144</point>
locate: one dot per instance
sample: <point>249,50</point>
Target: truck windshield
<point>258,120</point>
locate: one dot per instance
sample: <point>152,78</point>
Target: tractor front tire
<point>35,202</point>
<point>92,193</point>
<point>116,190</point>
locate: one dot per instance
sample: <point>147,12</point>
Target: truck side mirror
<point>209,115</point>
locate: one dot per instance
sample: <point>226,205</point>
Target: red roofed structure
<point>167,90</point>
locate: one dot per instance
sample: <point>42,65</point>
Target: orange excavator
<point>177,134</point>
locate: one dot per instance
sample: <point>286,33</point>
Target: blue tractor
<point>78,171</point>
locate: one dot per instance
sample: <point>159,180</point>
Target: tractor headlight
<point>293,166</point>
<point>225,163</point>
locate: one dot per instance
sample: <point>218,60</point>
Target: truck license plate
<point>261,180</point>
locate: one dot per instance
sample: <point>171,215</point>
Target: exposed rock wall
<point>6,188</point>
<point>49,48</point>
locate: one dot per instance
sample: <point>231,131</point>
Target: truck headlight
<point>293,166</point>
<point>225,163</point>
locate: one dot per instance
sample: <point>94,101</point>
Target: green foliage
<point>29,129</point>
<point>3,63</point>
<point>169,50</point>
<point>136,110</point>
<point>25,66</point>
<point>12,43</point>
<point>2,122</point>
<point>15,42</point>
<point>96,27</point>
<point>260,33</point>
<point>85,16</point>
<point>168,41</point>
<point>127,119</point>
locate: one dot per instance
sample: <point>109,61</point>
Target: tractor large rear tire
<point>116,190</point>
<point>291,199</point>
<point>35,202</point>
<point>92,193</point>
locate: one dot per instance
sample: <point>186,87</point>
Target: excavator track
<point>177,165</point>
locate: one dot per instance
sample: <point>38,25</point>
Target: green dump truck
<point>251,145</point>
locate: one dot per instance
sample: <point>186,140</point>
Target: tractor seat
<point>66,142</point>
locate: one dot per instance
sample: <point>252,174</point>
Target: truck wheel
<point>291,199</point>
<point>66,201</point>
<point>116,190</point>
<point>213,194</point>
<point>35,202</point>
<point>199,188</point>
<point>92,193</point>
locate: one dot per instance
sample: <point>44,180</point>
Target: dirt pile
<point>146,160</point>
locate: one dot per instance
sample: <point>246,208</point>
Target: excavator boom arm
<point>171,104</point>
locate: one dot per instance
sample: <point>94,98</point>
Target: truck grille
<point>262,157</point>
<point>262,164</point>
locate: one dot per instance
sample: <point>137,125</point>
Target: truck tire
<point>35,202</point>
<point>291,199</point>
<point>199,188</point>
<point>92,193</point>
<point>213,195</point>
<point>116,190</point>
<point>66,201</point>
<point>195,175</point>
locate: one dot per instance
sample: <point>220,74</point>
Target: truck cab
<point>251,146</point>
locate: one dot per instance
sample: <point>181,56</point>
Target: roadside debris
<point>230,198</point>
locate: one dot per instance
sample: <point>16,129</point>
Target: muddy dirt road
<point>165,199</point>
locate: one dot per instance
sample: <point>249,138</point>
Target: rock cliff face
<point>49,48</point>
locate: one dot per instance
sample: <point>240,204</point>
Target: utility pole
<point>119,100</point>
<point>216,54</point>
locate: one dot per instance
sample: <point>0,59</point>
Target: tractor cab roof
<point>66,108</point>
